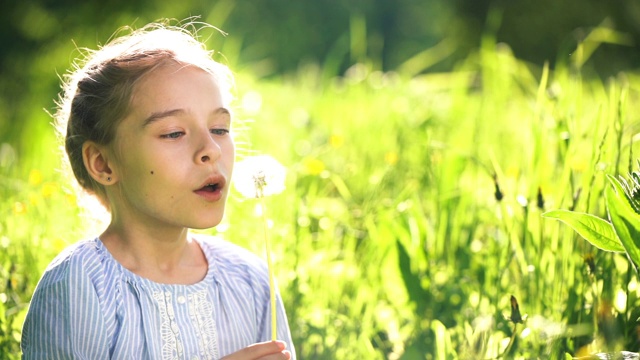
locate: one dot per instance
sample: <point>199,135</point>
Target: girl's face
<point>173,153</point>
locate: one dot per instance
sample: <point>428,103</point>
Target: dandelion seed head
<point>522,200</point>
<point>258,176</point>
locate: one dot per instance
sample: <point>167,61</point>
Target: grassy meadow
<point>411,222</point>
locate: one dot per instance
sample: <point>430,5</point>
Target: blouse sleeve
<point>64,320</point>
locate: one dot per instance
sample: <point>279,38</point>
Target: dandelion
<point>313,166</point>
<point>522,200</point>
<point>257,177</point>
<point>49,189</point>
<point>391,157</point>
<point>19,208</point>
<point>35,177</point>
<point>336,141</point>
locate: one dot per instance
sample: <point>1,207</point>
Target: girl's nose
<point>209,149</point>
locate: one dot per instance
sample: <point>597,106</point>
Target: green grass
<point>389,241</point>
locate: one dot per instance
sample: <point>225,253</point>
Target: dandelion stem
<point>272,291</point>
<point>263,176</point>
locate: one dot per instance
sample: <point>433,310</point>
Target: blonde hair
<point>97,95</point>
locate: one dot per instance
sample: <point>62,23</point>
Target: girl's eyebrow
<point>167,113</point>
<point>222,110</point>
<point>160,115</point>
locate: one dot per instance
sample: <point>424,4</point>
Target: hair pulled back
<point>97,95</point>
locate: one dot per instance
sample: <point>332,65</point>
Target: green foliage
<point>622,234</point>
<point>625,220</point>
<point>597,231</point>
<point>391,241</point>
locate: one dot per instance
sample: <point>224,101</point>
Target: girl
<point>146,123</point>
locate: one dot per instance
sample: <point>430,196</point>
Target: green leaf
<point>599,232</point>
<point>622,187</point>
<point>442,341</point>
<point>411,280</point>
<point>626,222</point>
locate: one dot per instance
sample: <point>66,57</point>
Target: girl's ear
<point>96,161</point>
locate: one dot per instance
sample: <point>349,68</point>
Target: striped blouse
<point>88,306</point>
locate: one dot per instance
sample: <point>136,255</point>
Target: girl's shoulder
<point>83,257</point>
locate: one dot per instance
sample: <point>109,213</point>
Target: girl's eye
<point>220,132</point>
<point>173,135</point>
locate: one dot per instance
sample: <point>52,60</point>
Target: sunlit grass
<point>389,240</point>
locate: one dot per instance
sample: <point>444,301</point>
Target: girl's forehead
<point>165,75</point>
<point>174,77</point>
<point>176,86</point>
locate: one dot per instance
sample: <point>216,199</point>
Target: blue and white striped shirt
<point>88,306</point>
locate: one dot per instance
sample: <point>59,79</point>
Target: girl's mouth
<point>211,191</point>
<point>210,187</point>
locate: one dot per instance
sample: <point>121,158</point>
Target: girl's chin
<point>204,225</point>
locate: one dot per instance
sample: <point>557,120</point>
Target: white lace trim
<point>172,347</point>
<point>201,313</point>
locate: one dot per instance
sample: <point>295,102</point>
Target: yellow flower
<point>59,244</point>
<point>35,177</point>
<point>391,157</point>
<point>580,164</point>
<point>313,166</point>
<point>72,199</point>
<point>336,141</point>
<point>19,208</point>
<point>48,189</point>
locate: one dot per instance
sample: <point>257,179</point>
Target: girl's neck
<point>167,256</point>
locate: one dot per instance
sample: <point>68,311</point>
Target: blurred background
<point>275,37</point>
<point>423,141</point>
